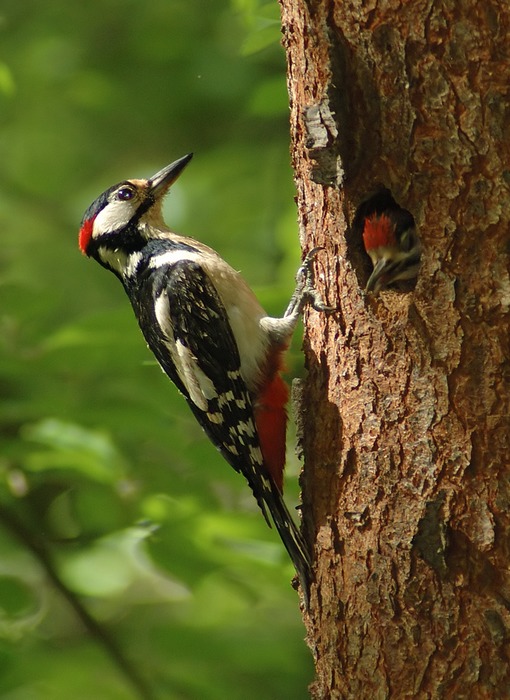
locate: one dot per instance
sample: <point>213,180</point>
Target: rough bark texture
<point>405,415</point>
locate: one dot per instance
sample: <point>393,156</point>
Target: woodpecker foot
<point>305,292</point>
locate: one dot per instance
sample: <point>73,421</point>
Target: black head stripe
<point>100,203</point>
<point>103,199</point>
<point>142,209</point>
<point>131,239</point>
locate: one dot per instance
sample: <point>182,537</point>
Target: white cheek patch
<point>114,216</point>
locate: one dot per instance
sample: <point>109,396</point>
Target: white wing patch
<point>198,385</point>
<point>162,311</point>
<point>174,256</point>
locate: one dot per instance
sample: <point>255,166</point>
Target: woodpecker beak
<point>162,180</point>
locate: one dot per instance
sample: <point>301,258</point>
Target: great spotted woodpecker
<point>209,334</point>
<point>390,239</point>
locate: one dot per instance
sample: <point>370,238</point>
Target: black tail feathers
<point>293,540</point>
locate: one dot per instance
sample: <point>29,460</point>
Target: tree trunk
<point>405,414</point>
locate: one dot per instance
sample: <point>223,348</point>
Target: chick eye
<point>125,194</point>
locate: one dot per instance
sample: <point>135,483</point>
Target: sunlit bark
<point>405,416</point>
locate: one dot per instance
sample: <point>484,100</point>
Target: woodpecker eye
<point>125,194</point>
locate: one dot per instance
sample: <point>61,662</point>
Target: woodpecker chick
<point>209,334</point>
<point>390,239</point>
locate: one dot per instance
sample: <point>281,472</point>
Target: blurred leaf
<point>7,85</point>
<point>74,447</point>
<point>101,571</point>
<point>261,38</point>
<point>21,608</point>
<point>101,458</point>
<point>117,565</point>
<point>16,598</point>
<point>270,98</point>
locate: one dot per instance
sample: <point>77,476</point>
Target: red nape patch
<point>85,235</point>
<point>271,422</point>
<point>378,232</point>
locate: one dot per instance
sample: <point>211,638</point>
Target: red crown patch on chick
<point>390,240</point>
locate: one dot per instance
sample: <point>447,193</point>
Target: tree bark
<point>405,414</point>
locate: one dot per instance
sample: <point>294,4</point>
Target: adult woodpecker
<point>209,334</point>
<point>390,239</point>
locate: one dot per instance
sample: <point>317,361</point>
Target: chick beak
<point>375,281</point>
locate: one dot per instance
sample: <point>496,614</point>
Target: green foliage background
<point>102,468</point>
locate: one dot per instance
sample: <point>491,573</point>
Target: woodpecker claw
<point>305,291</point>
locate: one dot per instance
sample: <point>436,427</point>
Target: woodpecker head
<point>122,219</point>
<point>390,239</point>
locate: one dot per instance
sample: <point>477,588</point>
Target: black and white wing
<point>187,328</point>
